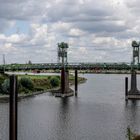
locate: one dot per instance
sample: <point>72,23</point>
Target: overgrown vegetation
<point>27,83</point>
<point>32,83</point>
<point>5,86</point>
<point>54,81</point>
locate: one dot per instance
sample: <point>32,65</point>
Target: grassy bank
<point>42,82</point>
<point>28,84</point>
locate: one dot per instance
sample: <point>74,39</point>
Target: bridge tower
<point>134,93</point>
<point>135,63</point>
<point>64,91</point>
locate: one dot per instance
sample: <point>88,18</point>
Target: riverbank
<point>106,72</point>
<point>82,72</point>
<point>42,84</point>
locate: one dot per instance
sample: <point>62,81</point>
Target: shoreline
<point>129,73</point>
<point>5,98</point>
<point>84,72</point>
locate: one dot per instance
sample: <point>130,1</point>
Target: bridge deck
<point>78,66</point>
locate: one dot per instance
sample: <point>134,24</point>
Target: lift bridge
<point>63,62</point>
<point>64,66</point>
<point>69,66</point>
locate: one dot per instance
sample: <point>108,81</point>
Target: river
<point>98,113</point>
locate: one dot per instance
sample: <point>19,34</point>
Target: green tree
<point>5,86</point>
<point>54,81</point>
<point>26,83</point>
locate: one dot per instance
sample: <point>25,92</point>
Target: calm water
<point>99,112</point>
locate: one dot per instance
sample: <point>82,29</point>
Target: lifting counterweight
<point>62,53</point>
<point>135,60</point>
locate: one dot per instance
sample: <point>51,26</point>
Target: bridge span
<point>68,66</point>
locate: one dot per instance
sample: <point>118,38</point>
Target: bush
<point>2,78</point>
<point>57,76</point>
<point>26,83</point>
<point>6,86</point>
<point>49,77</point>
<point>54,81</point>
<point>23,90</point>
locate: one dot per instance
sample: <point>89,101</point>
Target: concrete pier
<point>133,93</point>
<point>13,108</point>
<point>134,90</point>
<point>65,90</point>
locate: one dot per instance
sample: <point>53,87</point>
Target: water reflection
<point>63,119</point>
<point>132,113</point>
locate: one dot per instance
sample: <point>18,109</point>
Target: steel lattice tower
<point>135,61</point>
<point>62,53</point>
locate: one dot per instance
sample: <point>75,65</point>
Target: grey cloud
<point>133,3</point>
<point>89,11</point>
<point>21,10</point>
<point>94,17</point>
<point>134,6</point>
<point>102,26</point>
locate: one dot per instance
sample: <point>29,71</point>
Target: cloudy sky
<point>96,30</point>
